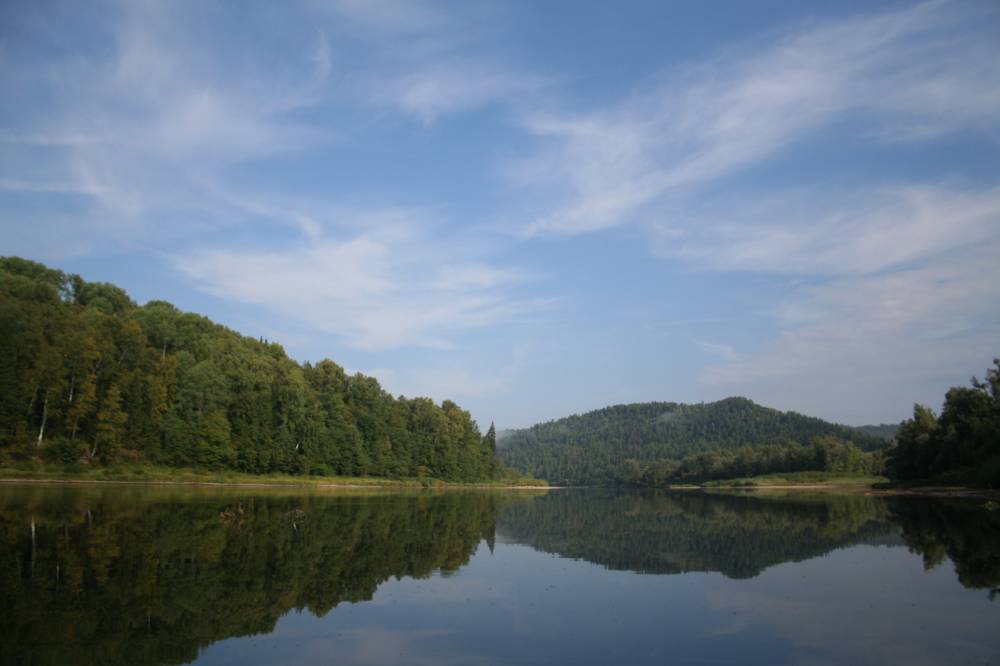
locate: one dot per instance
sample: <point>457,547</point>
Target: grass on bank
<point>830,479</point>
<point>144,473</point>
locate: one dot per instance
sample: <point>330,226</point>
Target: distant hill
<point>884,430</point>
<point>591,448</point>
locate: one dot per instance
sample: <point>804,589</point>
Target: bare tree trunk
<point>72,378</point>
<point>45,415</point>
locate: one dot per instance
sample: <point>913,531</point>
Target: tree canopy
<point>963,442</point>
<point>88,376</point>
<point>608,444</point>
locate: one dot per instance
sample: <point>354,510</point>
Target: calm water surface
<point>172,576</point>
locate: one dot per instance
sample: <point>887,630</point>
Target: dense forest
<point>886,431</point>
<point>89,377</point>
<point>627,441</point>
<point>962,444</point>
<point>822,454</point>
<point>114,576</point>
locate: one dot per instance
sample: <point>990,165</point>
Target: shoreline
<point>863,489</point>
<point>386,486</point>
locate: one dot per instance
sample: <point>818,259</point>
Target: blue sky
<point>533,208</point>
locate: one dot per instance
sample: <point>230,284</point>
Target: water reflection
<point>115,576</point>
<point>736,535</point>
<point>163,576</point>
<point>966,532</point>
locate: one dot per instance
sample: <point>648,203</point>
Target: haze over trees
<point>87,375</point>
<point>662,442</point>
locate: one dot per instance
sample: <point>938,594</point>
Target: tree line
<point>822,454</point>
<point>87,376</point>
<point>695,441</point>
<point>961,444</point>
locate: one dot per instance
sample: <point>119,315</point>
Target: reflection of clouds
<point>359,646</point>
<point>864,606</point>
<point>458,590</point>
<point>373,645</point>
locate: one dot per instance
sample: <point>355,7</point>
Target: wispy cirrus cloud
<point>378,289</point>
<point>147,132</point>
<point>438,88</point>
<point>832,232</point>
<point>918,72</point>
<point>727,352</point>
<point>432,60</point>
<point>889,292</point>
<point>851,344</point>
<point>884,282</point>
<point>143,127</point>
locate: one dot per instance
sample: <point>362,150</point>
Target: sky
<point>532,208</point>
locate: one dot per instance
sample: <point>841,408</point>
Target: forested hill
<point>595,447</point>
<point>87,376</point>
<point>886,431</point>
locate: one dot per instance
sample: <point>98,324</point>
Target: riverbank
<point>154,475</point>
<point>831,482</point>
<point>803,480</point>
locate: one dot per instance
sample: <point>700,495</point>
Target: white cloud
<point>832,233</point>
<point>455,85</point>
<point>717,349</point>
<point>441,383</point>
<point>431,62</point>
<point>145,127</point>
<point>894,300</point>
<point>858,348</point>
<point>930,67</point>
<point>376,290</point>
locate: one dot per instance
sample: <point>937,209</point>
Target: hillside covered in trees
<point>962,444</point>
<point>88,376</point>
<point>660,442</point>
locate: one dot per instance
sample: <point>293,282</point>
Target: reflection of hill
<point>107,581</point>
<point>958,529</point>
<point>738,536</point>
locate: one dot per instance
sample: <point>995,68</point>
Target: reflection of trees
<point>126,578</point>
<point>958,529</point>
<point>736,535</point>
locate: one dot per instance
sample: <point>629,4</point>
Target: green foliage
<point>964,439</point>
<point>886,431</point>
<point>87,375</point>
<point>659,441</point>
<point>823,454</point>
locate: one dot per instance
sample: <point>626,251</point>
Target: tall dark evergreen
<point>89,376</point>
